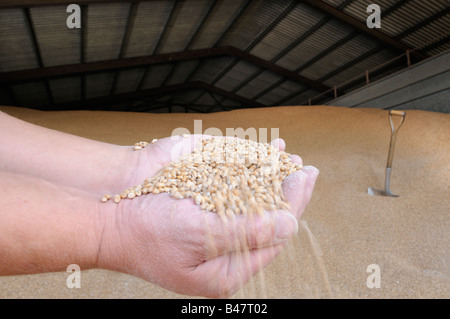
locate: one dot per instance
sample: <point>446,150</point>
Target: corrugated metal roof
<point>211,68</point>
<point>146,27</point>
<point>98,84</point>
<point>319,41</point>
<point>16,49</point>
<point>298,97</point>
<point>259,83</point>
<point>341,55</point>
<point>287,51</point>
<point>260,15</point>
<point>234,76</point>
<point>105,30</point>
<point>182,71</point>
<point>156,75</point>
<point>58,46</point>
<point>280,92</point>
<point>283,34</point>
<point>359,69</point>
<point>185,20</point>
<point>219,18</point>
<point>128,80</point>
<point>433,30</point>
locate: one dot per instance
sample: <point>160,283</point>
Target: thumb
<point>272,228</point>
<point>247,232</point>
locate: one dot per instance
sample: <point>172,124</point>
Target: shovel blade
<point>378,192</point>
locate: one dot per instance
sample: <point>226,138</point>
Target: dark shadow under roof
<point>204,55</point>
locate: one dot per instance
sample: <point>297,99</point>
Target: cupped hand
<point>176,245</point>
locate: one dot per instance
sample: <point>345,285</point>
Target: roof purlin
<point>99,66</point>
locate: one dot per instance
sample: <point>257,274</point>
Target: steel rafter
<point>101,66</point>
<point>361,26</point>
<point>193,37</point>
<point>158,44</point>
<point>132,11</point>
<point>287,49</point>
<point>37,51</point>
<point>153,92</point>
<point>225,32</point>
<point>255,41</point>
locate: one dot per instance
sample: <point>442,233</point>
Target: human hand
<point>176,245</point>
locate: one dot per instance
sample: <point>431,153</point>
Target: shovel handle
<point>394,131</point>
<point>395,112</point>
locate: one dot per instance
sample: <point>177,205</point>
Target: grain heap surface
<point>223,175</point>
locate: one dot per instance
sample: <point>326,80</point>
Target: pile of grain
<point>223,175</point>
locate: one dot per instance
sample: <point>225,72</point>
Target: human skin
<point>51,215</point>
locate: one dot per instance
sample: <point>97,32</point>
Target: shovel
<point>387,191</point>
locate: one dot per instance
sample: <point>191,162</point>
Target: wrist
<point>115,238</point>
<point>86,234</point>
<point>118,228</point>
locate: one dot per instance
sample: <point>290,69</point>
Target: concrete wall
<point>424,86</point>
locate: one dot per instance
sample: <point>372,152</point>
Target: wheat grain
<point>227,176</point>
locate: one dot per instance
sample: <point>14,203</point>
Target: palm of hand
<point>176,245</point>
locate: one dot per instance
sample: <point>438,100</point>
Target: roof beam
<point>277,69</point>
<point>157,47</point>
<point>136,95</point>
<point>132,11</point>
<point>269,28</point>
<point>101,66</point>
<point>348,19</point>
<point>37,51</point>
<point>194,35</point>
<point>154,92</point>
<point>230,25</point>
<point>308,33</point>
<point>108,65</point>
<point>232,96</point>
<point>283,52</point>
